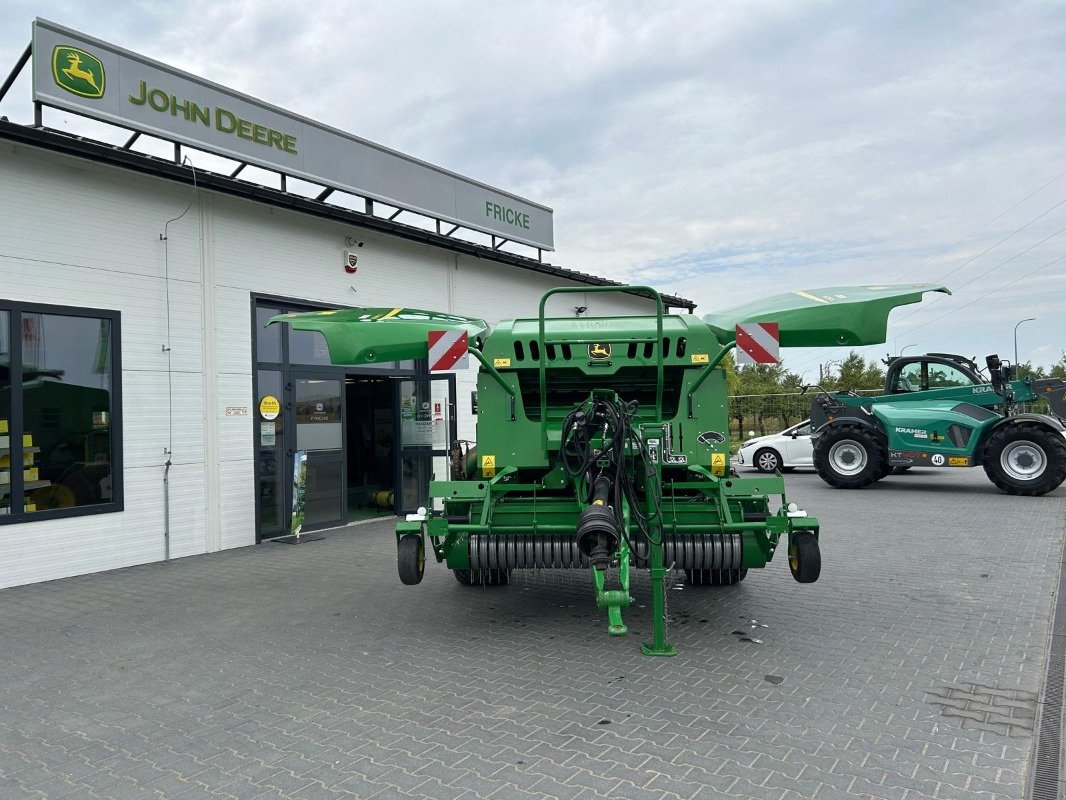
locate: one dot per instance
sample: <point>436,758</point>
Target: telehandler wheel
<point>714,577</point>
<point>849,457</point>
<point>1025,459</point>
<point>805,557</point>
<point>411,559</point>
<point>767,460</point>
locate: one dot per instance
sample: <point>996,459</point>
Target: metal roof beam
<point>116,156</point>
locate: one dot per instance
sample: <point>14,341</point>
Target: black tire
<point>804,557</point>
<point>482,577</point>
<point>1025,459</point>
<point>714,577</point>
<point>411,559</point>
<point>767,460</point>
<point>840,442</point>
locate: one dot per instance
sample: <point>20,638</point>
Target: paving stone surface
<point>910,670</point>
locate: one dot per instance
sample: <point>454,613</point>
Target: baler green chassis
<point>715,527</point>
<point>603,444</point>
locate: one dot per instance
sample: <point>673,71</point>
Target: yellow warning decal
<point>488,466</point>
<point>501,362</point>
<point>718,463</point>
<point>700,358</point>
<point>958,462</point>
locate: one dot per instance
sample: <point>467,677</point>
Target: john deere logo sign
<point>77,71</point>
<point>599,351</point>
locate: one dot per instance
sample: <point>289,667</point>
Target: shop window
<point>59,412</point>
<point>5,413</point>
<point>268,337</point>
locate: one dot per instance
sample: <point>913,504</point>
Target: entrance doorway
<point>370,447</point>
<point>367,439</point>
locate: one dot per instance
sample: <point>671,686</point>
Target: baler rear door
<point>829,317</point>
<point>374,335</point>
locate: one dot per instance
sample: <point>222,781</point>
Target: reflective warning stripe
<point>758,343</point>
<point>447,349</point>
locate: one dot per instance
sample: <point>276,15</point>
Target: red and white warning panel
<point>447,350</point>
<point>758,343</point>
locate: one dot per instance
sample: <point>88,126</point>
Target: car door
<point>797,447</point>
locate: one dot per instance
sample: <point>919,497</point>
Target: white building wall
<point>77,233</point>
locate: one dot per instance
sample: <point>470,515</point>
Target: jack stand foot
<point>617,630</point>
<point>651,650</point>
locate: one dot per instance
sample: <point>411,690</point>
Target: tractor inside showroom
<point>942,410</point>
<point>603,443</point>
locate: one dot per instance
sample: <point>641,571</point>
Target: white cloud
<point>720,150</point>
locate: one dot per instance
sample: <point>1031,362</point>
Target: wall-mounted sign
<point>100,80</point>
<point>269,407</point>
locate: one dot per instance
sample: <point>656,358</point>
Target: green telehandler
<point>941,410</point>
<point>603,444</point>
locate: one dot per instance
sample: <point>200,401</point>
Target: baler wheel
<point>411,559</point>
<point>804,557</point>
<point>714,577</point>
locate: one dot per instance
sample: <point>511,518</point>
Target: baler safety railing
<point>543,342</point>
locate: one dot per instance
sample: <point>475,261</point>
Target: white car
<point>789,448</point>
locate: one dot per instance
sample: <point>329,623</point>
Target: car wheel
<point>767,460</point>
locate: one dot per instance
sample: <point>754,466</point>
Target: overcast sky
<point>721,151</point>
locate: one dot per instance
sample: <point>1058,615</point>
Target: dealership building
<point>146,411</point>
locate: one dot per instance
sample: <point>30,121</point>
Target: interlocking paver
<point>309,671</point>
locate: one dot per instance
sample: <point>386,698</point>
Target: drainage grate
<point>1047,756</point>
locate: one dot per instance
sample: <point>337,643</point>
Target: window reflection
<point>5,414</point>
<point>66,419</point>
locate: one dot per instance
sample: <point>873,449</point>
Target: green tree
<point>856,373</point>
<point>1028,370</point>
<point>1058,369</point>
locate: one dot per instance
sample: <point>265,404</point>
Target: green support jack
<point>658,645</point>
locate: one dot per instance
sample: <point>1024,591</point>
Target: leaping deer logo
<point>78,72</point>
<point>599,351</point>
<point>75,70</point>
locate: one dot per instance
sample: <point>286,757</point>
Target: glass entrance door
<point>318,406</point>
<point>426,411</point>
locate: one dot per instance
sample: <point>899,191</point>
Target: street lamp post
<point>1029,319</point>
<point>905,347</point>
